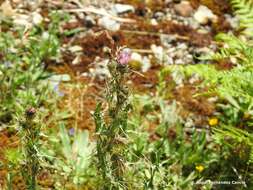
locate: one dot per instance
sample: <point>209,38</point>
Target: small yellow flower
<point>199,168</point>
<point>246,116</point>
<point>213,121</point>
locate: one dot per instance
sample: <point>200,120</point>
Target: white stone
<point>108,23</point>
<point>75,48</point>
<point>179,62</point>
<point>178,77</point>
<point>204,14</point>
<point>145,64</point>
<point>45,35</point>
<point>22,20</point>
<point>158,51</point>
<point>122,8</point>
<point>171,50</point>
<point>182,46</point>
<point>153,22</point>
<point>100,69</point>
<point>77,60</point>
<point>36,18</point>
<point>136,57</point>
<point>170,61</point>
<point>59,78</point>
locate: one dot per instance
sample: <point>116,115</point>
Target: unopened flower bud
<point>30,112</point>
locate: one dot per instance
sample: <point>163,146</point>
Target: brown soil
<point>198,105</point>
<point>219,7</point>
<point>145,83</point>
<point>168,27</point>
<point>93,44</point>
<point>81,101</point>
<point>225,64</point>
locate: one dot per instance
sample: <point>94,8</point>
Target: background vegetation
<point>51,151</point>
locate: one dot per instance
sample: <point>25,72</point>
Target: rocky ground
<point>160,33</point>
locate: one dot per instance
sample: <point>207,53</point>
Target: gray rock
<point>159,15</point>
<point>233,21</point>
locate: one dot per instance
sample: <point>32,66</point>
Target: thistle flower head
<point>30,112</point>
<point>124,56</point>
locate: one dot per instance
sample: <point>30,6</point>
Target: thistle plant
<point>30,138</point>
<point>111,126</point>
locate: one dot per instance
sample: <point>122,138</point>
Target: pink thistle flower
<point>124,56</point>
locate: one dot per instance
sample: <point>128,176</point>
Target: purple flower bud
<point>71,131</point>
<point>124,56</point>
<point>30,112</point>
<point>58,91</point>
